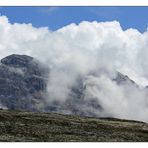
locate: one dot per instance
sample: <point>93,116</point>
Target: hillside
<point>29,126</point>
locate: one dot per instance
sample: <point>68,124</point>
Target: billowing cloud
<point>79,50</point>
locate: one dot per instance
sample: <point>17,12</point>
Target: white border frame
<point>74,2</point>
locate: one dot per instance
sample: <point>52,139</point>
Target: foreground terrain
<point>28,126</point>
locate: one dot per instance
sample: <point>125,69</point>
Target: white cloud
<point>81,49</point>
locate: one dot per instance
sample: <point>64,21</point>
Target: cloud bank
<point>80,50</point>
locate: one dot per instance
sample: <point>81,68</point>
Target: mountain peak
<point>21,82</point>
<point>16,60</point>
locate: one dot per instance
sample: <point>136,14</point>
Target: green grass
<point>28,126</point>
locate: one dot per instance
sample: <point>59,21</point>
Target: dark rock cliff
<point>21,82</point>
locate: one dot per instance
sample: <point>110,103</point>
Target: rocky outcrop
<point>121,79</point>
<point>22,84</point>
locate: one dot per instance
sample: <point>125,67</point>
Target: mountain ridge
<point>23,86</point>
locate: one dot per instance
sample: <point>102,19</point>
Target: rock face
<point>23,87</point>
<point>121,79</point>
<point>21,82</point>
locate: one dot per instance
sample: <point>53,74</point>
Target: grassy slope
<point>25,126</point>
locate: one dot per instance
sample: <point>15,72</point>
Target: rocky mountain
<point>23,86</point>
<point>121,79</point>
<point>22,82</point>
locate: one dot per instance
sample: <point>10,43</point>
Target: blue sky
<point>57,17</point>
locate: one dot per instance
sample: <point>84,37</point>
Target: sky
<point>57,17</point>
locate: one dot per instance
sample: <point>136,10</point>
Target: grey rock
<point>21,82</point>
